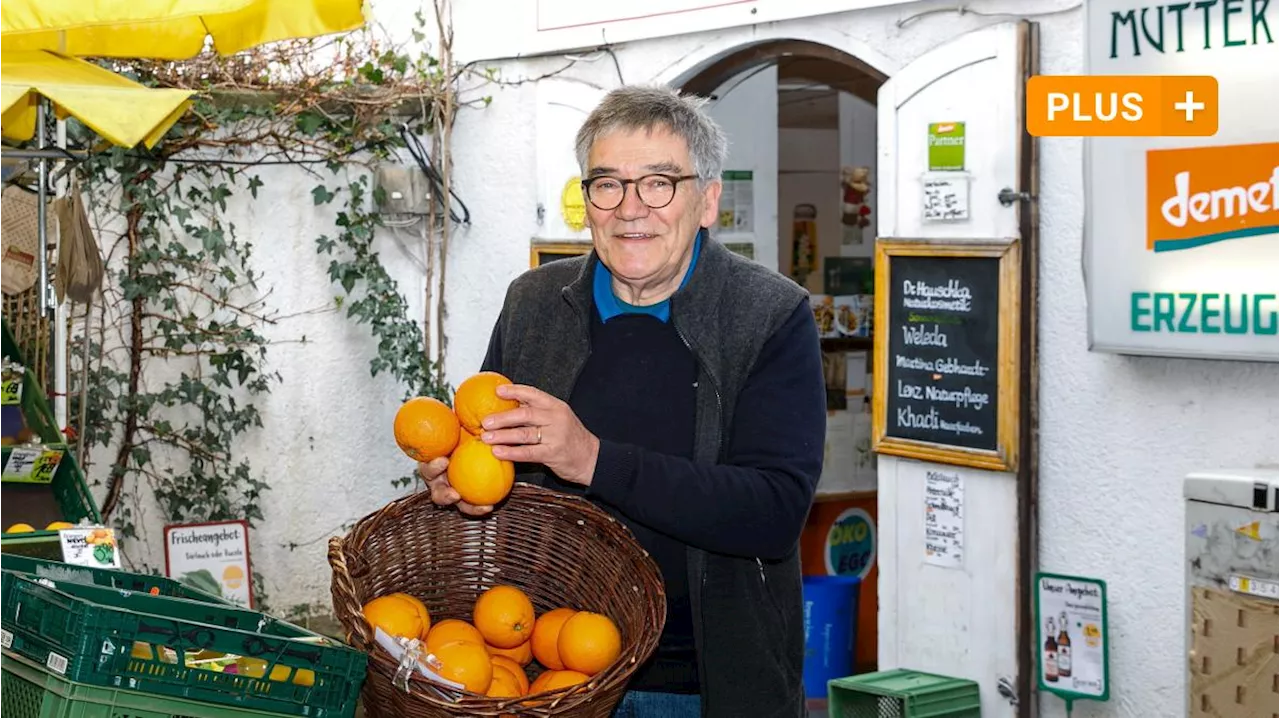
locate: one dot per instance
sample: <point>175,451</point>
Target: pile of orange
<point>427,429</point>
<point>505,642</point>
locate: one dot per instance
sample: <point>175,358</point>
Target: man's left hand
<point>542,430</point>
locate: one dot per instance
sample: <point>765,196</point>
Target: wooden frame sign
<point>541,253</point>
<point>212,556</point>
<point>946,352</point>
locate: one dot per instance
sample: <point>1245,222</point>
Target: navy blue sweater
<point>637,388</point>
<point>753,502</point>
<point>636,394</point>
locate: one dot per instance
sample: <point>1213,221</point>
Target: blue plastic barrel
<point>830,630</point>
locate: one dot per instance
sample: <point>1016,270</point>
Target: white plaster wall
<point>1117,434</point>
<point>325,446</point>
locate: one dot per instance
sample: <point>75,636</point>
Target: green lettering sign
<point>1202,25</point>
<point>1203,313</point>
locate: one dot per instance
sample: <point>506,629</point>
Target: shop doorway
<point>961,569</point>
<point>800,197</point>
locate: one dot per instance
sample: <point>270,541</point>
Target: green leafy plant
<point>174,363</point>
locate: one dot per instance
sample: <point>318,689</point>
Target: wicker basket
<point>561,550</point>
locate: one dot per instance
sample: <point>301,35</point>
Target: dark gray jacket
<point>748,612</point>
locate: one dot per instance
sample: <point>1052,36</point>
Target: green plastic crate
<point>88,634</point>
<point>902,693</point>
<point>66,498</point>
<point>109,578</point>
<point>28,691</point>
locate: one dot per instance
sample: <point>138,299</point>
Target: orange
<point>421,608</point>
<point>504,615</point>
<point>479,477</point>
<point>398,614</point>
<point>589,642</point>
<point>521,654</point>
<point>426,428</point>
<point>546,632</point>
<point>504,684</point>
<point>450,630</point>
<point>20,529</point>
<point>464,662</point>
<point>59,525</point>
<point>553,680</point>
<point>514,667</point>
<point>477,397</point>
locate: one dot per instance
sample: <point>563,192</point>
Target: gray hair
<point>636,107</point>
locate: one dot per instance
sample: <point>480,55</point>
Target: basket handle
<point>346,603</point>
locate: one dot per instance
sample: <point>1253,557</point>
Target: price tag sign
<point>11,394</point>
<point>32,465</point>
<point>95,547</point>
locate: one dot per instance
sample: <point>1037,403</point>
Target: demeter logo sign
<point>1202,195</point>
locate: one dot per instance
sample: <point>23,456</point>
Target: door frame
<point>1028,470</point>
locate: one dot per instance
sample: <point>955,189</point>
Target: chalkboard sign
<point>946,353</point>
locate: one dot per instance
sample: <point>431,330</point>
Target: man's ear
<point>711,203</point>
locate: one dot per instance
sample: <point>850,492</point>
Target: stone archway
<point>817,44</point>
<point>795,59</point>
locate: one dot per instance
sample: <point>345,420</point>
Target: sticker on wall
<point>946,146</point>
<point>1250,530</point>
<point>573,208</point>
<point>851,544</point>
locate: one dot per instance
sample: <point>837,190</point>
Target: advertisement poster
<point>1072,636</point>
<point>946,146</point>
<point>737,201</point>
<point>213,557</point>
<point>1181,232</point>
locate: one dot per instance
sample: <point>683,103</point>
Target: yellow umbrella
<point>155,29</point>
<point>118,109</point>
<point>167,29</point>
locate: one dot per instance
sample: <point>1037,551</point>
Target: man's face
<point>647,248</point>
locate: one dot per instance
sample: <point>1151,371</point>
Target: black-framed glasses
<point>655,191</point>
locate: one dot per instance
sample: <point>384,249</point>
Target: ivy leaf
<point>322,195</point>
<point>309,123</point>
<point>254,184</point>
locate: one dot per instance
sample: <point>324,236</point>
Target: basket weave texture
<point>560,550</point>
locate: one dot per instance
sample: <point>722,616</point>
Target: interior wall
<point>858,149</point>
<point>747,109</point>
<point>809,173</point>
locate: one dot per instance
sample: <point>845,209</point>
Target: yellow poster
<point>572,206</point>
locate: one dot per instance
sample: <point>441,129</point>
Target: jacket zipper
<point>715,389</point>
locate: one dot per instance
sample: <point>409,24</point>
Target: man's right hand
<point>435,473</point>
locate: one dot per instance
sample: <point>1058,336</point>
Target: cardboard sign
<point>213,557</point>
<point>93,547</point>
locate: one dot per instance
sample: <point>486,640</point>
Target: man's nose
<point>632,206</point>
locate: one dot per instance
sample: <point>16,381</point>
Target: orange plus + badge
<point>1122,106</point>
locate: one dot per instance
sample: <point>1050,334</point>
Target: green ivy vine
<point>174,360</point>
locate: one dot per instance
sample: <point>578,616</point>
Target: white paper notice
<point>945,198</point>
<point>944,519</point>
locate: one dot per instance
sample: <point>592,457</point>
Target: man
<point>680,387</point>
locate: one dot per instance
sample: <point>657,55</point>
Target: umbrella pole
<point>61,312</point>
<point>42,212</point>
